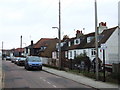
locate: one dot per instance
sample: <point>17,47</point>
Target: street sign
<point>103,46</point>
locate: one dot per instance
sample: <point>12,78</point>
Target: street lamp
<point>59,35</point>
<point>59,47</point>
<point>55,28</point>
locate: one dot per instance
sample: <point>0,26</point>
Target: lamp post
<point>59,47</point>
<point>59,35</point>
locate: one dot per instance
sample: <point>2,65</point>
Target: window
<point>62,44</point>
<point>70,53</point>
<point>69,43</point>
<point>93,52</point>
<point>84,51</point>
<point>76,41</point>
<point>89,39</point>
<point>66,54</point>
<point>75,54</point>
<point>57,54</point>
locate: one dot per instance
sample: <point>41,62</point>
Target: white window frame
<point>76,40</point>
<point>93,52</point>
<point>69,43</point>
<point>70,53</point>
<point>75,54</point>
<point>66,54</point>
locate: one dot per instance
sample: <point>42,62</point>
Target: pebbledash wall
<point>112,52</point>
<point>119,30</point>
<point>88,51</point>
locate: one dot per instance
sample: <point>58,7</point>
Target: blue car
<point>33,62</point>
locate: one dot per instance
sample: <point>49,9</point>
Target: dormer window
<point>76,41</point>
<point>89,39</point>
<point>43,48</point>
<point>62,44</point>
<point>69,43</point>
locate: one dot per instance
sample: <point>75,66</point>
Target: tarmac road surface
<point>17,77</point>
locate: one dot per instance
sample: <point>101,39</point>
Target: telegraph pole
<point>2,50</point>
<point>96,40</point>
<point>60,62</point>
<point>21,41</point>
<point>20,45</point>
<point>104,79</point>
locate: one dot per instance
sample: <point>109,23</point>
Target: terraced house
<point>108,39</point>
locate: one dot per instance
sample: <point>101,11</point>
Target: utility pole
<point>96,41</point>
<point>104,79</point>
<point>2,50</point>
<point>60,62</point>
<point>59,36</point>
<point>21,41</point>
<point>20,45</point>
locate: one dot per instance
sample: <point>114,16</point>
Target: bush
<point>83,58</point>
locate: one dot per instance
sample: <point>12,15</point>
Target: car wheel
<point>18,64</point>
<point>40,68</point>
<point>27,68</point>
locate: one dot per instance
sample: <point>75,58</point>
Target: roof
<point>50,45</point>
<point>103,37</point>
<point>19,49</point>
<point>43,42</point>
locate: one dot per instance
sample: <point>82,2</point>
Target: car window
<point>23,59</point>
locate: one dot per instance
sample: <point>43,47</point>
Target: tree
<point>83,59</point>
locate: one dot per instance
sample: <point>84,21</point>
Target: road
<point>17,77</point>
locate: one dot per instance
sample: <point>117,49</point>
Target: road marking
<point>44,80</point>
<point>48,82</point>
<point>54,86</point>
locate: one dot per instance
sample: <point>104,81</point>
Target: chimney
<point>102,27</point>
<point>79,33</point>
<point>31,42</point>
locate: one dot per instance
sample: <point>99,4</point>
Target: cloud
<point>36,17</point>
<point>14,15</point>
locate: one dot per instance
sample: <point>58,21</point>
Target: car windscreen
<point>17,58</point>
<point>22,59</point>
<point>34,59</point>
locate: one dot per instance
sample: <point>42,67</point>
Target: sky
<point>34,19</point>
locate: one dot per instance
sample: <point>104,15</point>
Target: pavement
<point>83,80</point>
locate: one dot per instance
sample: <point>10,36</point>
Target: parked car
<point>33,62</point>
<point>8,58</point>
<point>13,59</point>
<point>21,61</point>
<point>16,60</point>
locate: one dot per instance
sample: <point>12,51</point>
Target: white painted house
<point>109,37</point>
<point>86,44</point>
